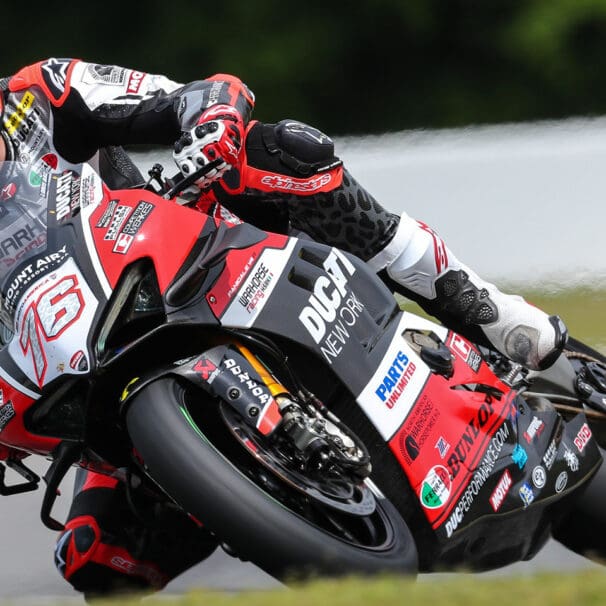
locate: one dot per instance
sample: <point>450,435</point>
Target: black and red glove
<point>218,135</point>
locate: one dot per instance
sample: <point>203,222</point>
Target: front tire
<point>186,461</point>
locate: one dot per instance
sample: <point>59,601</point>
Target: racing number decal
<point>48,317</point>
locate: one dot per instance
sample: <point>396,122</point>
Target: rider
<point>278,176</point>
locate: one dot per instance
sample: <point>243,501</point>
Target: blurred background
<point>346,67</point>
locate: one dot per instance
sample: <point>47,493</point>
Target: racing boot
<point>418,264</point>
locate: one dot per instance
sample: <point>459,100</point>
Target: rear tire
<point>182,458</point>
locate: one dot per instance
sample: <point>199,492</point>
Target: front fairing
<point>46,300</point>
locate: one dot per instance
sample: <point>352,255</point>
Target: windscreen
<point>23,233</point>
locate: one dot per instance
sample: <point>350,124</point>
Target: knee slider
<point>302,148</point>
<point>76,545</point>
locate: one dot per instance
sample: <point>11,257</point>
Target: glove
<point>217,136</point>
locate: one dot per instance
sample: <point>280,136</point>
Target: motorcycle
<point>272,388</point>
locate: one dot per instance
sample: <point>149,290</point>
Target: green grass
<point>580,589</point>
<point>583,311</point>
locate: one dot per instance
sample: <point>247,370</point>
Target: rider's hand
<point>217,136</point>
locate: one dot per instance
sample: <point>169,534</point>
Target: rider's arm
<point>98,105</point>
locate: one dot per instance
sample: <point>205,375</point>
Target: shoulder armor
<point>52,76</point>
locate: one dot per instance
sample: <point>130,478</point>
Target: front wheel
<point>178,434</point>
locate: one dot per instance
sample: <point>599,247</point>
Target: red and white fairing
<point>52,320</point>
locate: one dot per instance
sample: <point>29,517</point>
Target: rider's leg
<point>418,262</point>
<point>408,255</point>
<point>108,548</point>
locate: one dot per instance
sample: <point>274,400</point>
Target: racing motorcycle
<point>272,388</point>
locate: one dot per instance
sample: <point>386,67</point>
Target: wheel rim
<point>372,531</point>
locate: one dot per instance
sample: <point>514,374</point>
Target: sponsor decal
<point>474,361</point>
<point>481,475</point>
<point>26,238</point>
<point>435,488</point>
<point>241,276</point>
<point>116,222</point>
<point>526,494</point>
<point>108,74</point>
<point>331,310</point>
<point>38,176</point>
<point>443,447</point>
<point>500,492</point>
<point>88,187</point>
<point>464,350</point>
<point>289,184</point>
<point>54,72</point>
<point>550,455</point>
<point>412,447</point>
<point>68,195</point>
<point>395,381</point>
<point>136,220</point>
<point>214,93</point>
<point>417,428</point>
<point>7,413</point>
<point>561,481</point>
<point>107,215</point>
<point>256,288</point>
<point>30,273</point>
<point>535,429</point>
<point>207,369</point>
<point>241,269</point>
<point>79,362</point>
<point>414,413</point>
<point>519,456</point>
<point>13,122</point>
<point>571,459</point>
<point>539,477</point>
<point>480,419</point>
<point>260,392</point>
<point>123,243</point>
<point>583,437</point>
<point>131,568</point>
<point>134,82</point>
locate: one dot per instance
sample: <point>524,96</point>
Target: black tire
<point>584,528</point>
<point>184,462</point>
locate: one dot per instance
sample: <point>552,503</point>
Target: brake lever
<point>183,184</point>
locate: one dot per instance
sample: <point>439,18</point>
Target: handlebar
<point>185,182</point>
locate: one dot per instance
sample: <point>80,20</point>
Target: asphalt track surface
<point>28,574</point>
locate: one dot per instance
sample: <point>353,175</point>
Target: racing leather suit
<point>59,112</point>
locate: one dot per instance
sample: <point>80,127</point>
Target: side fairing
<point>315,295</point>
<point>52,323</point>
